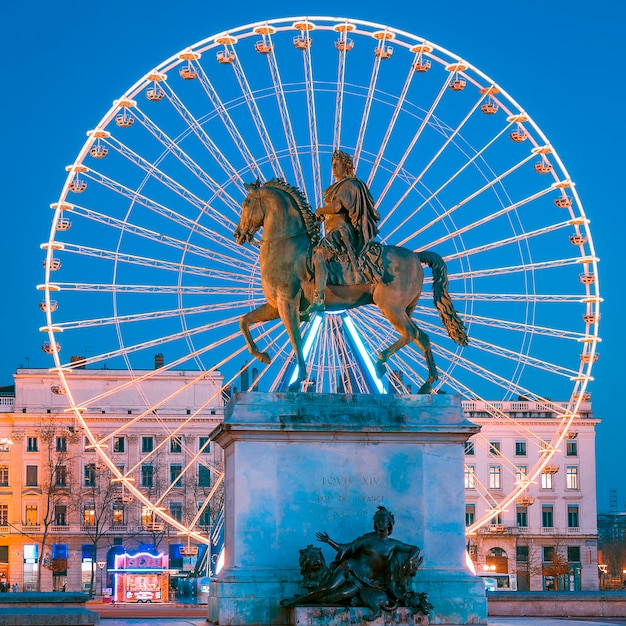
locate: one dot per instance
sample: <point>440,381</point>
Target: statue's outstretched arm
<point>324,538</point>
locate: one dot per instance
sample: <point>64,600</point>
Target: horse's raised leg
<point>264,313</point>
<point>289,312</point>
<point>409,332</point>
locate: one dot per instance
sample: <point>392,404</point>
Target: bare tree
<point>54,483</point>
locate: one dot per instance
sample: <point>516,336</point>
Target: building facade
<point>548,539</point>
<point>63,513</point>
<point>64,517</point>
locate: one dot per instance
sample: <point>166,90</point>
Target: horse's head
<point>252,214</point>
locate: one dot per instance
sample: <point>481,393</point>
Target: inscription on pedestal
<point>347,492</point>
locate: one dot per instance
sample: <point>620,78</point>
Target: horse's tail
<point>447,313</point>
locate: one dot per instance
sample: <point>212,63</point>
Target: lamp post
<point>101,565</point>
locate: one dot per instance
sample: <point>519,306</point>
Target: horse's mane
<point>310,221</point>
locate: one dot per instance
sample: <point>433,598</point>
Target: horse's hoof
<point>425,388</point>
<point>304,316</point>
<point>264,357</point>
<point>294,387</point>
<point>317,306</point>
<point>380,368</point>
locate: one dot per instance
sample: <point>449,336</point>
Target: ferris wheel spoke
<point>153,171</point>
<point>531,298</point>
<point>513,269</point>
<point>525,236</point>
<point>134,196</point>
<point>343,46</point>
<point>133,259</point>
<point>491,322</point>
<point>193,126</point>
<point>471,160</point>
<point>311,112</point>
<point>423,124</point>
<point>392,123</point>
<point>230,127</point>
<point>151,315</point>
<point>257,118</point>
<point>367,106</point>
<point>161,238</point>
<point>284,115</point>
<point>487,219</point>
<point>126,350</point>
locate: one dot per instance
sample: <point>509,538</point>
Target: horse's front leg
<point>289,311</point>
<point>264,313</point>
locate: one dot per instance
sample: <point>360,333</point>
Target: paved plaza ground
<point>494,621</point>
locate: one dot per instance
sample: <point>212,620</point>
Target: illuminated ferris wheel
<point>141,256</point>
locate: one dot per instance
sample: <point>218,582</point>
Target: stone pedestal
<point>297,464</point>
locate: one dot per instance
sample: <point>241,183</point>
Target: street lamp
<point>101,565</point>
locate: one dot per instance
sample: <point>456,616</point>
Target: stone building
<point>62,513</point>
<point>56,492</point>
<point>548,538</point>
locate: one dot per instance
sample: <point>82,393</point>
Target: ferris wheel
<point>141,256</point>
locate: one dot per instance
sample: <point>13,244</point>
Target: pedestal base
<point>338,616</point>
<point>297,464</point>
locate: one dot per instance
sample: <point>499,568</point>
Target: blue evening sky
<point>65,62</point>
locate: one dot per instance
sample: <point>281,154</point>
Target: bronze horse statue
<point>290,230</point>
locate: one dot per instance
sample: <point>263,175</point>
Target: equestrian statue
<point>303,274</point>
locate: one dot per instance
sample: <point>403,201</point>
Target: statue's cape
<point>355,197</point>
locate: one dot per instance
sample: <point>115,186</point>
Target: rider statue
<point>347,254</point>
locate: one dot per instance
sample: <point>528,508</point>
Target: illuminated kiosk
<point>300,463</point>
<point>141,577</point>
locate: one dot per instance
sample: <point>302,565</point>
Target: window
<point>31,444</point>
<point>61,444</point>
<point>521,474</point>
<point>87,445</point>
<point>31,475</point>
<point>147,444</point>
<point>205,516</point>
<point>521,516</point>
<point>89,514</point>
<point>470,514</point>
<point>494,448</point>
<point>547,481</point>
<point>119,444</point>
<point>547,516</point>
<point>495,477</point>
<point>469,477</point>
<point>469,448</point>
<point>571,477</point>
<point>548,553</point>
<point>520,448</point>
<point>89,475</point>
<point>176,469</point>
<point>147,516</point>
<point>60,515</point>
<point>176,445</point>
<point>498,517</point>
<point>204,445</point>
<point>572,516</point>
<point>521,554</point>
<point>32,515</point>
<point>118,514</point>
<point>204,476</point>
<point>4,514</point>
<point>573,554</point>
<point>571,447</point>
<point>176,511</point>
<point>4,475</point>
<point>60,476</point>
<point>5,445</point>
<point>147,475</point>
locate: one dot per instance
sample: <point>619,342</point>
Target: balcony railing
<point>60,528</point>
